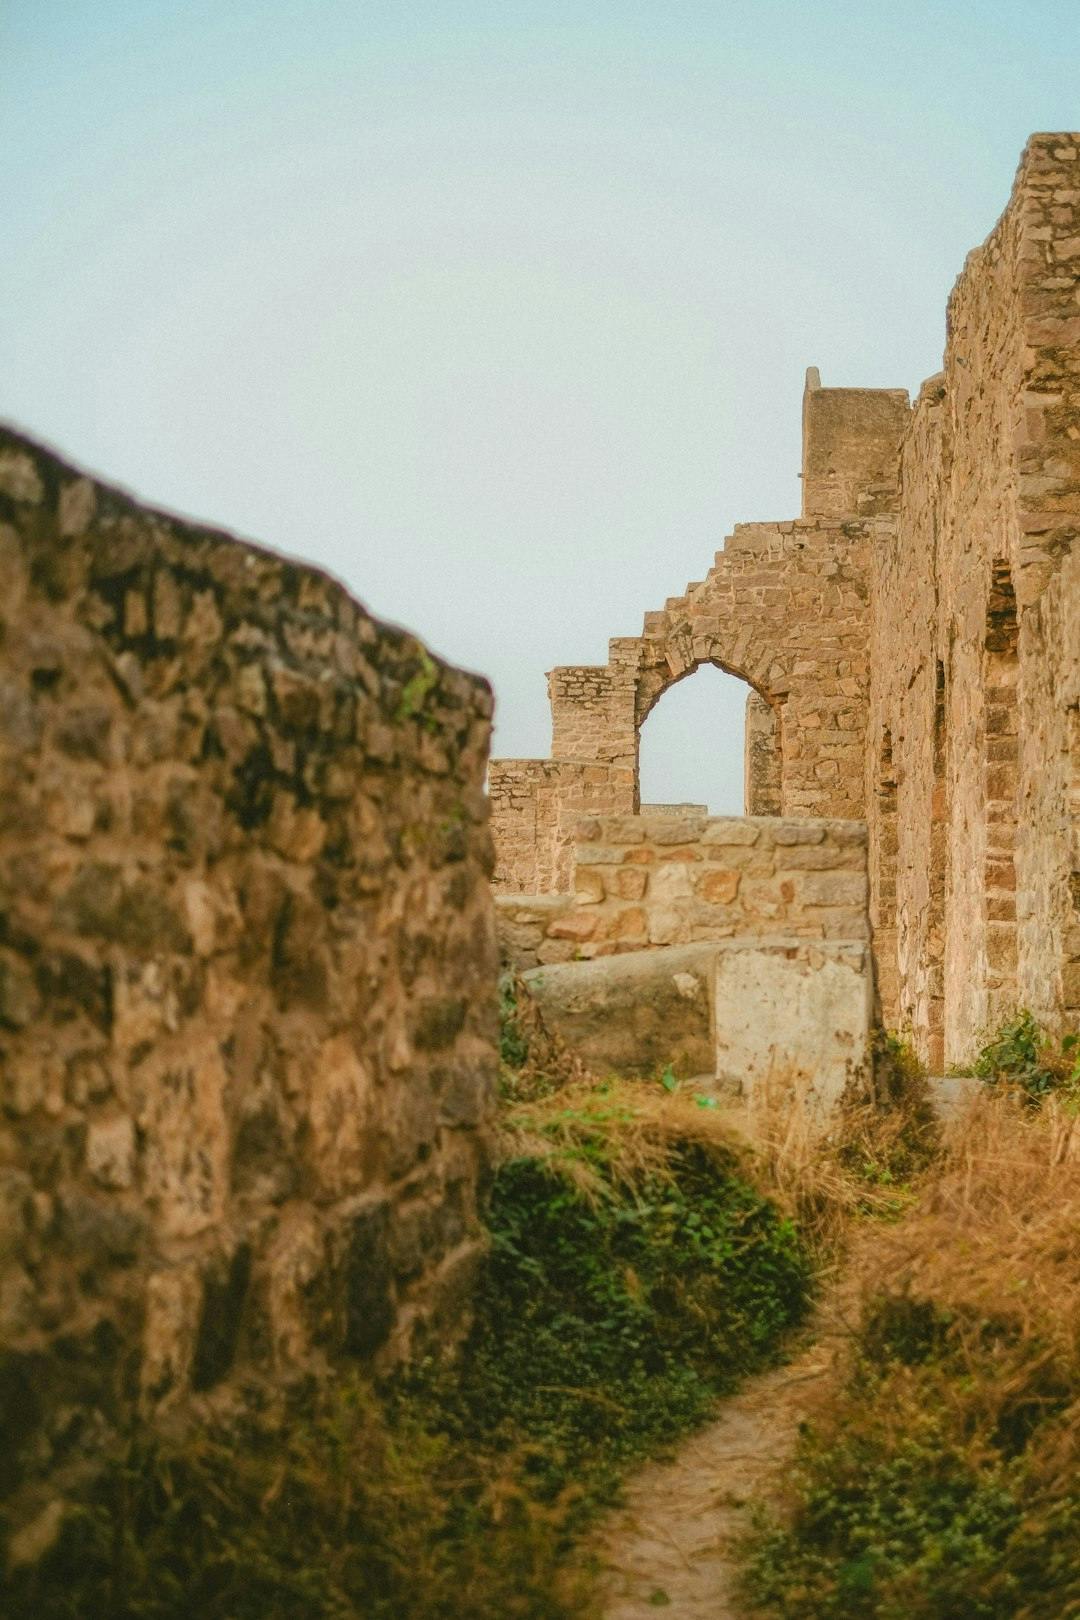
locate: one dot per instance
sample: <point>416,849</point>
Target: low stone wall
<point>247,968</point>
<point>642,881</point>
<point>766,1019</point>
<point>528,928</point>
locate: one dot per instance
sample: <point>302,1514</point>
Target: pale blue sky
<point>499,311</point>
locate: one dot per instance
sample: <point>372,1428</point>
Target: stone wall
<point>642,881</point>
<point>247,969</point>
<point>786,608</point>
<point>535,805</point>
<point>973,765</point>
<point>912,643</point>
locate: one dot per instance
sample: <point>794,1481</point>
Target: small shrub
<point>534,1061</point>
<point>1021,1054</point>
<point>882,1139</point>
<point>323,1511</point>
<point>889,1139</point>
<point>635,1274</point>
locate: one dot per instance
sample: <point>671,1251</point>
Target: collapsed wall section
<point>247,962</point>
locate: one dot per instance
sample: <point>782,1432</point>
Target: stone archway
<point>688,647</point>
<point>761,732</point>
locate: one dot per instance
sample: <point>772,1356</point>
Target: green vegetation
<point>870,1163</point>
<point>939,1482</point>
<point>889,1141</point>
<point>1022,1055</point>
<point>533,1061</point>
<point>634,1274</point>
<point>418,688</point>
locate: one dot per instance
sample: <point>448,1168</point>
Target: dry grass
<point>611,1135</point>
<point>938,1475</point>
<point>866,1162</point>
<point>535,1060</point>
<point>995,1245</point>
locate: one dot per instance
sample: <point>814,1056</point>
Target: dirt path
<point>668,1546</point>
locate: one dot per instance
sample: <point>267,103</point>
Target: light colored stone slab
<point>792,1018</point>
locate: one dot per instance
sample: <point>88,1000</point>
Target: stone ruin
<point>247,968</point>
<point>247,941</point>
<point>912,647</point>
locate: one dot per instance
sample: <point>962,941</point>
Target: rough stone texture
<point>634,1014</point>
<point>645,881</point>
<point>785,607</point>
<point>535,805</point>
<point>974,765</point>
<point>247,967</point>
<point>850,437</point>
<point>669,810</point>
<point>527,928</point>
<point>762,794</point>
<point>793,1019</point>
<point>913,646</point>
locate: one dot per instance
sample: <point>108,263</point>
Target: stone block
<point>633,1013</point>
<point>832,889</point>
<point>574,925</point>
<point>792,1020</point>
<point>718,886</point>
<point>730,831</point>
<point>627,883</point>
<point>110,1151</point>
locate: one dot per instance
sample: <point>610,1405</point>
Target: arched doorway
<point>710,740</point>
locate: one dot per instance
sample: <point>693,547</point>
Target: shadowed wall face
<point>246,971</point>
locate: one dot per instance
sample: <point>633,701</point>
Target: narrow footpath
<point>670,1545</point>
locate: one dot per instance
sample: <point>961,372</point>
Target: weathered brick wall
<point>535,804</point>
<point>247,968</point>
<point>643,881</point>
<point>972,770</point>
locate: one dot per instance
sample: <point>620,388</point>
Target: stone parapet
<point>641,880</point>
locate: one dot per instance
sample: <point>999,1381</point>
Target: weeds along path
<point>669,1545</point>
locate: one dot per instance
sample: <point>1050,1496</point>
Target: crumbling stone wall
<point>976,644</point>
<point>785,608</point>
<point>247,970</point>
<point>535,804</point>
<point>647,881</point>
<point>912,643</point>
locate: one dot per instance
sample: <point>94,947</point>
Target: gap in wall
<point>692,743</point>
